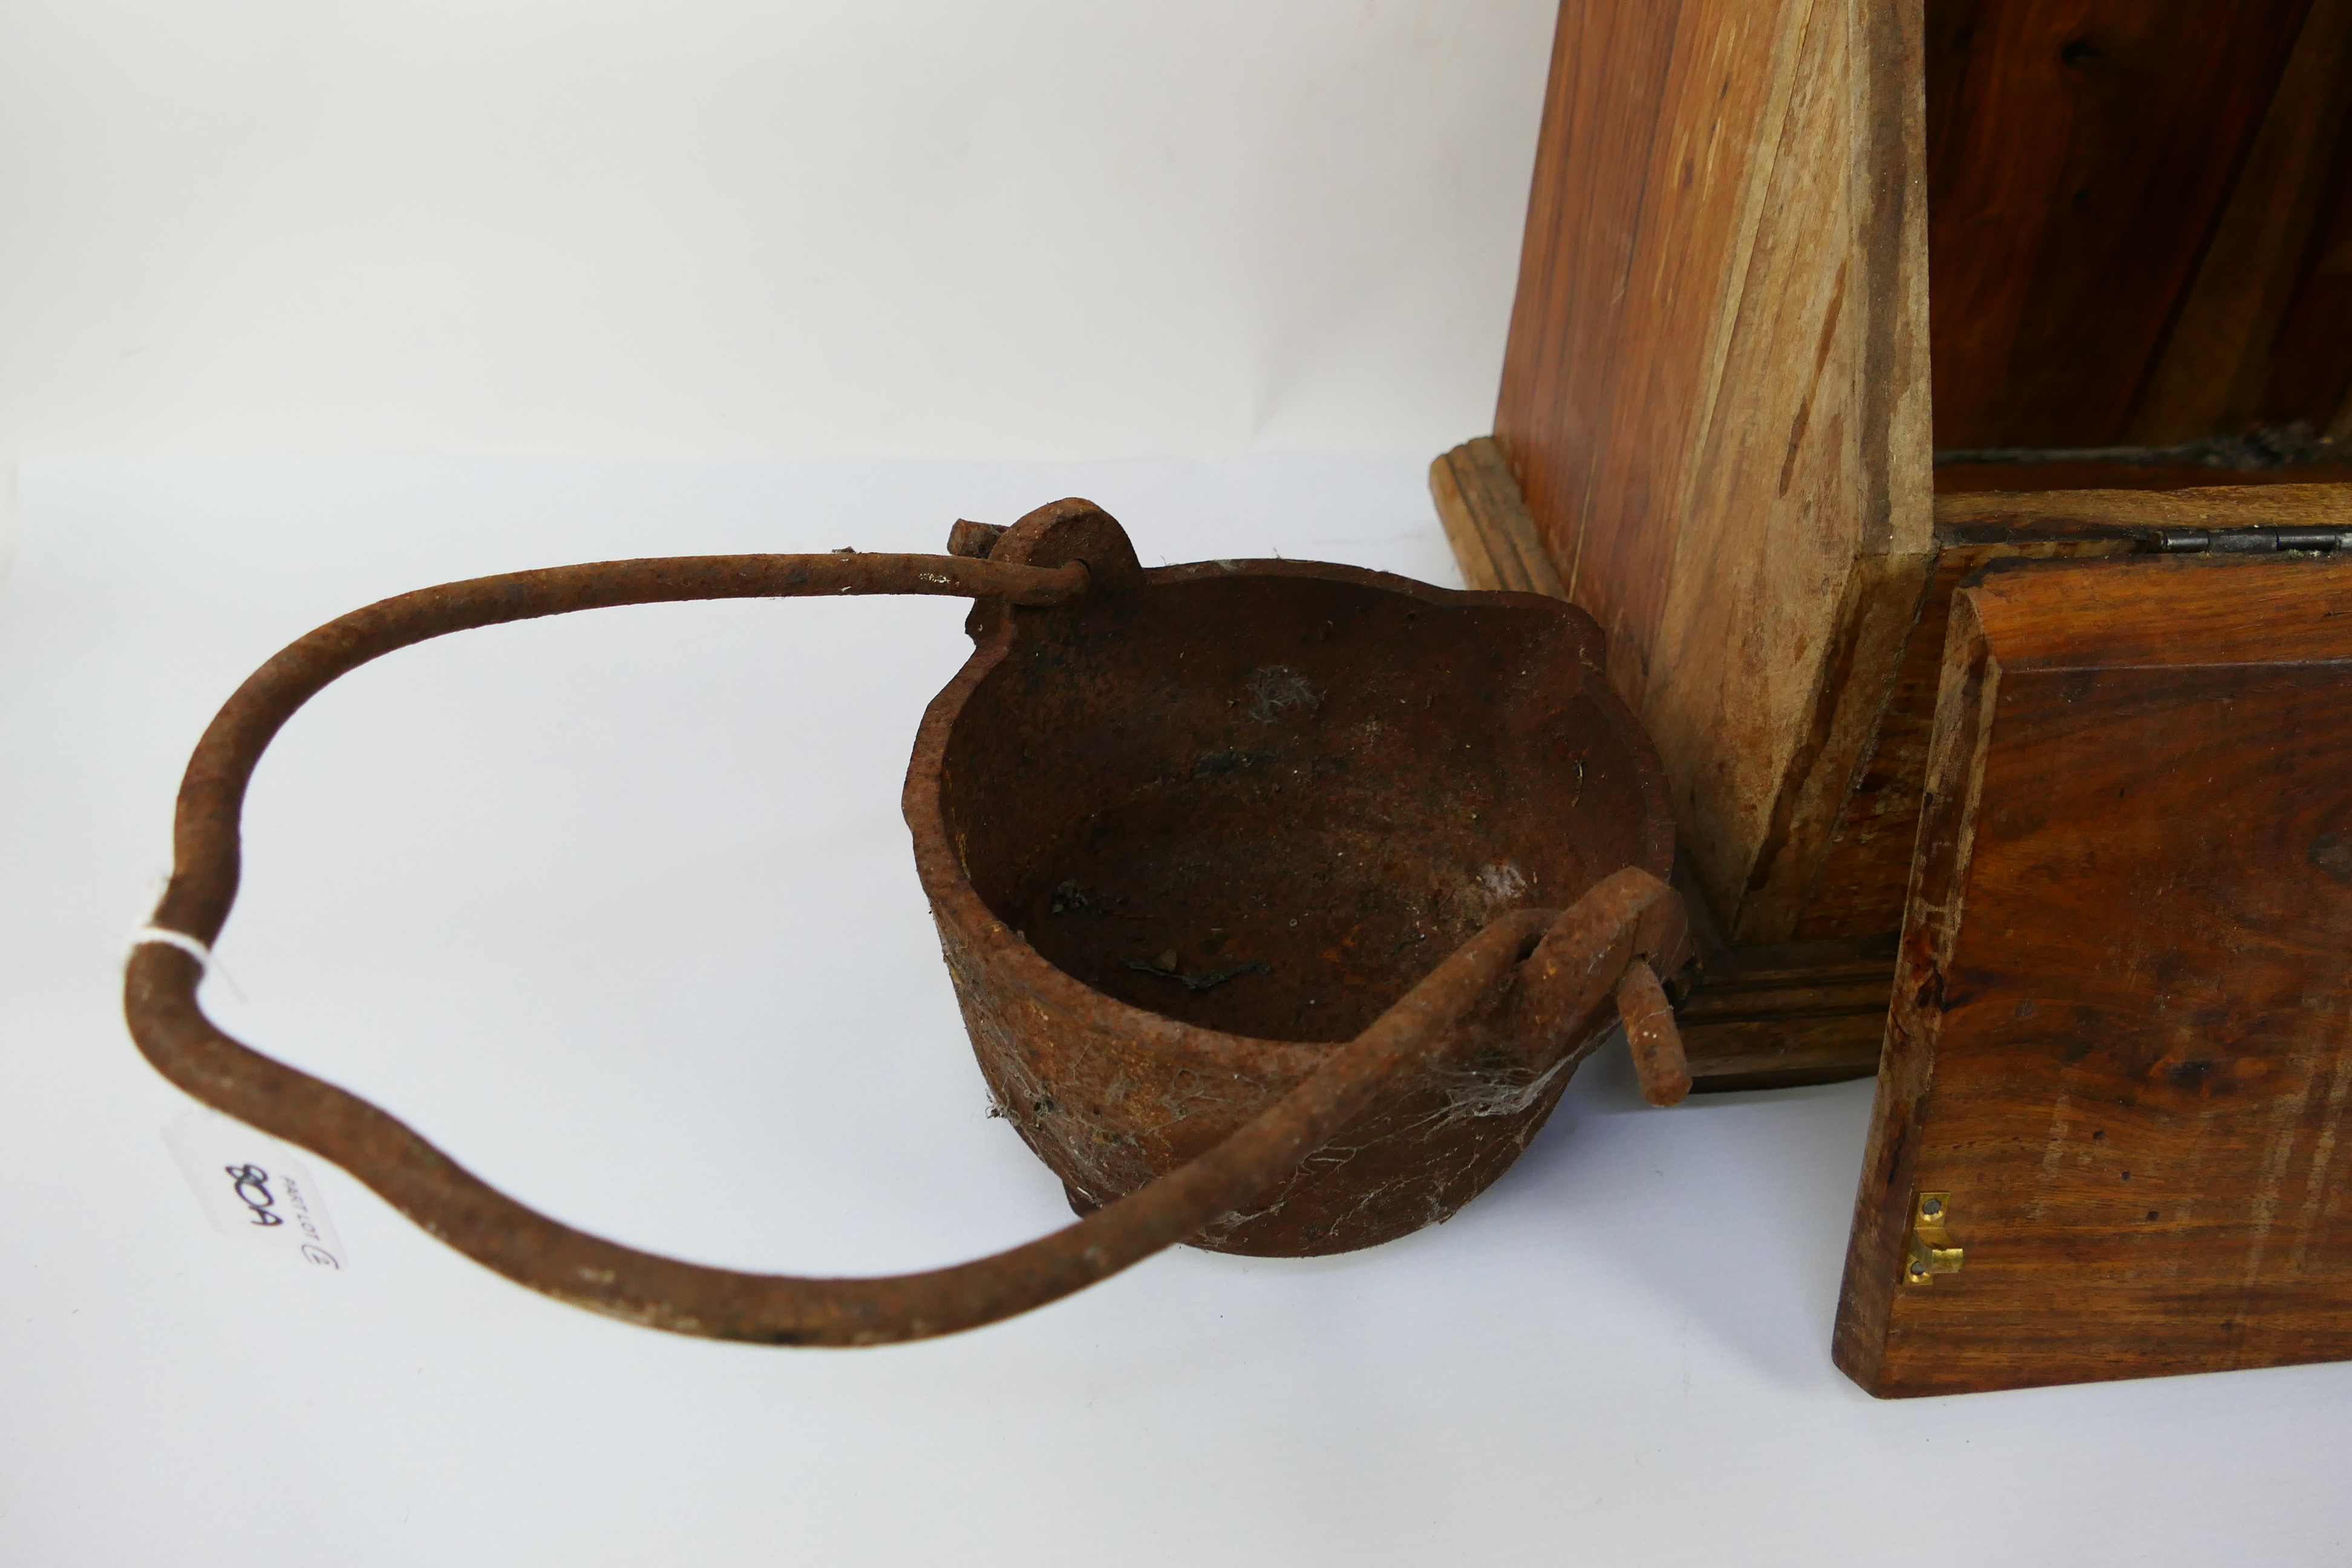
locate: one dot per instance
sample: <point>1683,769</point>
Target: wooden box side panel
<point>1714,396</point>
<point>2122,1035</point>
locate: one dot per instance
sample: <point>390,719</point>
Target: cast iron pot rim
<point>954,900</point>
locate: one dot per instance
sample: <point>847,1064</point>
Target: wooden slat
<point>1783,1047</point>
<point>2219,506</point>
<point>2121,1039</point>
<point>1462,530</point>
<point>1793,1013</point>
<point>1494,539</point>
<point>1486,475</point>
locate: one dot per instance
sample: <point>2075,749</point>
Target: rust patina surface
<point>1281,900</point>
<point>1184,835</point>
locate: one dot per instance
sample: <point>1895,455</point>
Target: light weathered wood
<point>2216,364</point>
<point>1714,401</point>
<point>2121,1041</point>
<point>1463,530</point>
<point>1486,522</point>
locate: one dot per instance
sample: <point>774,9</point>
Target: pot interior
<point>1266,802</point>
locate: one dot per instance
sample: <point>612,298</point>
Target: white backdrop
<point>991,229</point>
<point>276,277</point>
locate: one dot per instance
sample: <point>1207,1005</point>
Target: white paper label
<point>251,1185</point>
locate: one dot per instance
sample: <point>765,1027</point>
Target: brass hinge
<point>1931,1251</point>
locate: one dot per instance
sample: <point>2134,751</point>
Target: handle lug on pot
<point>974,539</point>
<point>1650,1032</point>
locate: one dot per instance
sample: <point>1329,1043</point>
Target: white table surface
<point>618,909</point>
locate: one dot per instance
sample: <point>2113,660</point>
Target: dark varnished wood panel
<point>2080,153</point>
<point>2311,366</point>
<point>1972,478</point>
<point>2223,359</point>
<point>2122,1030</point>
<point>1860,888</point>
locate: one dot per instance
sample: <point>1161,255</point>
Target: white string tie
<point>187,944</point>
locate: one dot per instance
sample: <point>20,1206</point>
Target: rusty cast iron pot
<point>1183,833</point>
<point>1280,897</point>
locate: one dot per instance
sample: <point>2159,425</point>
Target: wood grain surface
<point>1969,478</point>
<point>2080,155</point>
<point>2122,1032</point>
<point>1714,395</point>
<point>2311,362</point>
<point>1487,522</point>
<point>2217,371</point>
<point>2213,506</point>
<point>1751,1017</point>
<point>1776,1016</point>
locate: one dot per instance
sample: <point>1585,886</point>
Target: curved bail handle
<point>164,972</point>
<point>526,1246</point>
<point>1599,937</point>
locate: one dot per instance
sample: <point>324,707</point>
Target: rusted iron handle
<point>212,792</point>
<point>171,1030</point>
<point>1650,1033</point>
<point>458,1207</point>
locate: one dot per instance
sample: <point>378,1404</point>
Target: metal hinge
<point>2250,541</point>
<point>1930,1251</point>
